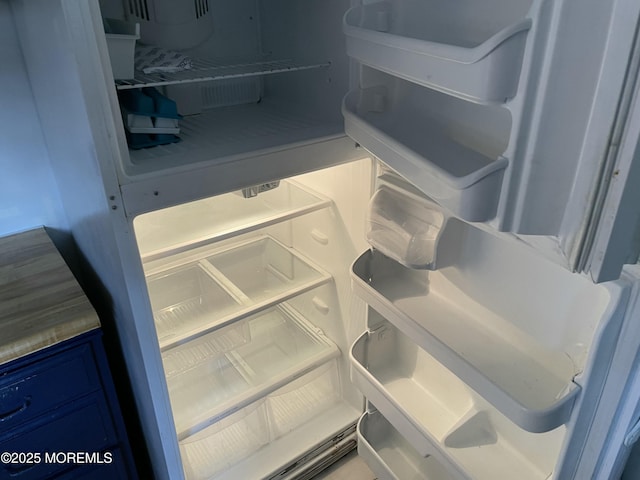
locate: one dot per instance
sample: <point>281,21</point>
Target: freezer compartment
<point>439,415</point>
<point>242,444</point>
<point>467,49</point>
<point>230,133</point>
<point>519,350</point>
<point>203,289</point>
<point>224,370</point>
<point>450,149</point>
<point>389,454</point>
<point>176,229</point>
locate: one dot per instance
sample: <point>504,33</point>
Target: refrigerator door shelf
<point>430,153</point>
<point>263,436</point>
<point>390,456</point>
<point>529,381</point>
<point>436,412</point>
<point>441,45</point>
<point>249,276</point>
<point>219,372</point>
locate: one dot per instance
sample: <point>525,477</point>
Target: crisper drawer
<point>30,391</point>
<point>82,426</point>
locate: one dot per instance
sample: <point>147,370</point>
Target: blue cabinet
<point>59,415</point>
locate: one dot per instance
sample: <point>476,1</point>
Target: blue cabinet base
<point>60,417</point>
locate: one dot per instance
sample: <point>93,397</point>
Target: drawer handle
<point>19,409</point>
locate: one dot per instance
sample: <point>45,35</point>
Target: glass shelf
<point>176,229</point>
<point>204,289</point>
<point>233,366</point>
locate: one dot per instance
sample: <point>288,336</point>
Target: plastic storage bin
<point>389,454</point>
<point>404,227</point>
<point>121,41</point>
<point>225,443</point>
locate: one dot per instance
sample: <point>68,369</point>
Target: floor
<point>351,467</point>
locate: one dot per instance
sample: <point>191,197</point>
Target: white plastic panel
<point>450,149</point>
<point>390,456</point>
<point>519,351</point>
<point>441,416</point>
<point>467,49</point>
<point>203,289</point>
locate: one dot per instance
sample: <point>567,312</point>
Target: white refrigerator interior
<point>255,318</point>
<point>360,222</point>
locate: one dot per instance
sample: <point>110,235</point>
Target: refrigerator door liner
<point>434,410</point>
<point>250,276</point>
<point>511,358</point>
<point>443,45</point>
<point>389,454</point>
<point>455,158</point>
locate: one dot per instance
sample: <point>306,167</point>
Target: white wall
<point>28,192</point>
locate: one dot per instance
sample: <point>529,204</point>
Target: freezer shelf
<point>450,149</point>
<point>253,129</point>
<point>278,427</point>
<point>204,289</point>
<point>390,456</point>
<point>528,382</point>
<point>236,365</point>
<point>441,416</point>
<point>211,70</point>
<point>176,229</point>
<point>466,49</point>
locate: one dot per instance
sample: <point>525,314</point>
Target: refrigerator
<point>403,226</point>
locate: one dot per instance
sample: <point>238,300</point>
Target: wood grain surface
<point>41,303</point>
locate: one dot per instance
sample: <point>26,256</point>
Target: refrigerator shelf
<point>451,47</point>
<point>216,451</point>
<point>442,156</point>
<point>204,289</point>
<point>441,416</point>
<point>211,70</point>
<point>206,382</point>
<point>221,135</point>
<point>390,456</point>
<point>176,229</point>
<point>529,383</point>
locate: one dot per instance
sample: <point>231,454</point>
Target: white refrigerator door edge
<point>601,452</point>
<point>609,239</point>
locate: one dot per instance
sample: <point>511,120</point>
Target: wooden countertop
<point>41,303</point>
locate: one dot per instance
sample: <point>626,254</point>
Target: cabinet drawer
<point>82,426</point>
<point>30,391</point>
<point>115,470</point>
